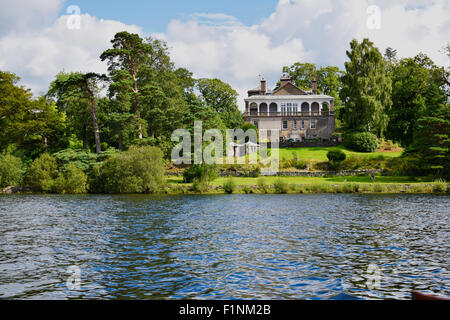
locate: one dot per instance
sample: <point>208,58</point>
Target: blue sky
<point>154,16</point>
<point>233,40</point>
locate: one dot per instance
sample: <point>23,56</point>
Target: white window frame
<point>315,124</point>
<point>303,125</point>
<point>287,125</point>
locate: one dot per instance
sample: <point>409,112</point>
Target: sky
<point>235,41</point>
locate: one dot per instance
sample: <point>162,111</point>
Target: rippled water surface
<point>224,247</point>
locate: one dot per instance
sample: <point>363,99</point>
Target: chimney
<point>314,86</point>
<point>284,80</point>
<point>263,86</point>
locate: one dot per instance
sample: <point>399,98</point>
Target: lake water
<point>223,247</point>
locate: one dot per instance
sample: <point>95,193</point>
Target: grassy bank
<point>300,185</point>
<point>320,153</point>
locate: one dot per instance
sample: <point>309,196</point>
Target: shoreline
<point>440,188</point>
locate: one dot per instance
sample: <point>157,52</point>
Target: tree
<point>145,88</point>
<point>328,78</point>
<point>366,91</point>
<point>390,54</point>
<point>84,88</point>
<point>417,91</point>
<point>43,128</point>
<point>223,98</point>
<point>125,60</point>
<point>432,143</point>
<point>138,170</point>
<point>34,125</point>
<point>14,107</point>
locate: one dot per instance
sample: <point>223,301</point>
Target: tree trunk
<point>138,110</point>
<point>98,148</point>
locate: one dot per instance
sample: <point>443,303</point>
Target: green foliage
<point>295,162</point>
<point>417,91</point>
<point>138,170</point>
<point>203,173</point>
<point>328,78</point>
<point>262,185</point>
<point>432,143</point>
<point>146,92</point>
<point>407,165</point>
<point>11,171</point>
<point>223,98</point>
<point>42,173</point>
<point>335,158</point>
<point>440,186</point>
<point>244,170</point>
<point>82,159</point>
<point>229,186</point>
<point>75,93</point>
<point>366,90</point>
<point>354,162</point>
<point>71,181</point>
<point>200,186</point>
<point>336,155</point>
<point>281,186</point>
<point>361,141</point>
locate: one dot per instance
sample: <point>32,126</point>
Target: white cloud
<point>316,31</point>
<point>36,45</point>
<point>19,15</point>
<point>326,27</point>
<point>236,55</point>
<point>37,56</point>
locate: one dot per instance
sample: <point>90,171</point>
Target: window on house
<point>285,124</point>
<point>313,124</point>
<point>295,124</point>
<point>256,124</point>
<point>303,124</point>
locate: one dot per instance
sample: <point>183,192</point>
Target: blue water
<point>224,247</point>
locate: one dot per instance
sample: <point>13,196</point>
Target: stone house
<point>297,114</point>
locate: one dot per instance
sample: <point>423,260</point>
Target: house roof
<point>290,97</point>
<point>288,85</point>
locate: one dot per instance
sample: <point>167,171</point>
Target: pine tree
<point>367,88</point>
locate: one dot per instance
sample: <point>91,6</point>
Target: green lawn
<point>243,181</point>
<point>320,153</point>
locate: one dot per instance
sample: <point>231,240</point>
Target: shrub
<point>138,170</point>
<point>350,187</point>
<point>203,172</point>
<point>380,188</point>
<point>280,186</point>
<point>11,171</point>
<point>361,141</point>
<point>335,158</point>
<point>229,186</point>
<point>262,185</point>
<point>295,162</point>
<point>410,165</point>
<point>42,173</point>
<point>199,186</point>
<point>83,159</point>
<point>247,190</point>
<point>439,186</point>
<point>71,181</point>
